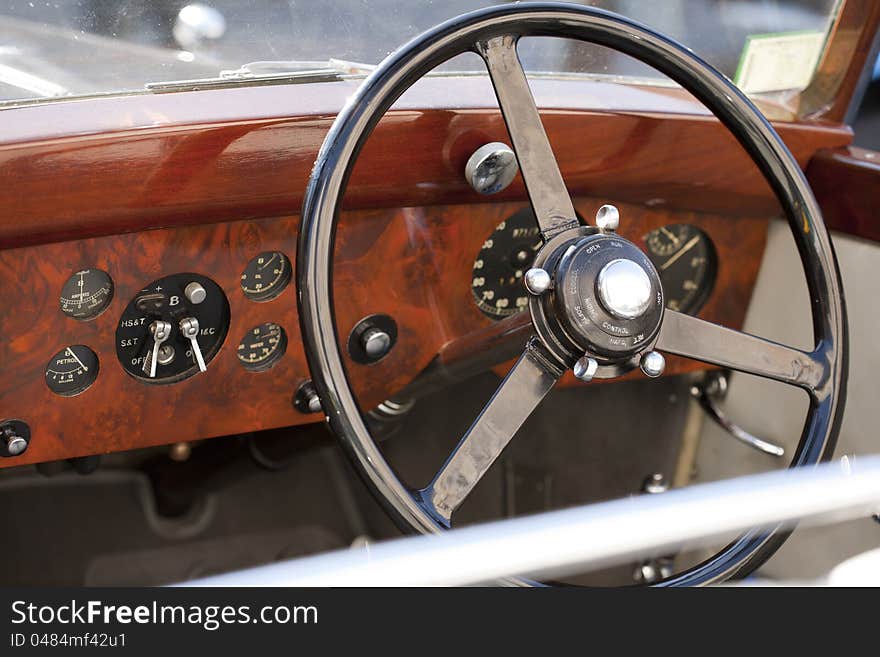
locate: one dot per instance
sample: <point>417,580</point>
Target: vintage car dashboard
<point>147,272</point>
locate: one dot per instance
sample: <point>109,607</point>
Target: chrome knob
<point>608,218</point>
<point>491,168</point>
<point>195,293</point>
<point>537,280</point>
<point>376,343</point>
<point>15,444</point>
<point>653,363</point>
<point>314,403</point>
<point>625,289</point>
<point>585,368</point>
<point>189,328</point>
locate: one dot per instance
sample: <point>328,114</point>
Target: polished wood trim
<point>852,36</point>
<point>846,183</point>
<point>414,264</point>
<point>105,166</point>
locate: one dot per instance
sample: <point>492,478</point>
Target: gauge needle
<point>670,235</point>
<point>70,351</point>
<point>687,247</point>
<point>268,262</point>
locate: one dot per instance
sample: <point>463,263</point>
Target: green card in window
<point>779,62</point>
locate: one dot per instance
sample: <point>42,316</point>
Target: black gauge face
<point>266,276</point>
<point>685,257</point>
<point>497,283</point>
<point>172,328</point>
<point>86,294</point>
<point>262,346</point>
<point>72,370</point>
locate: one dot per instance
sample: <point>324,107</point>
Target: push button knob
<point>14,437</point>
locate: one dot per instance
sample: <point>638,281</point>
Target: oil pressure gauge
<point>262,346</point>
<point>266,276</point>
<point>86,294</point>
<point>72,370</point>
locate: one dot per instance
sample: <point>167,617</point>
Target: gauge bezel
<point>710,273</point>
<point>93,313</point>
<point>90,376</point>
<point>276,288</point>
<point>270,360</point>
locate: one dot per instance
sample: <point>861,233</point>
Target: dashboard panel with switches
<point>180,334</point>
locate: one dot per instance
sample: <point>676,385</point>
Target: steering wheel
<point>596,301</point>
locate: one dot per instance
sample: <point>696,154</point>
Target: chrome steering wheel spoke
<point>546,189</point>
<point>527,383</point>
<point>691,337</point>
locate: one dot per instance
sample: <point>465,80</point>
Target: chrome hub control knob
<point>537,281</point>
<point>585,369</point>
<point>653,363</point>
<point>625,289</point>
<point>607,218</point>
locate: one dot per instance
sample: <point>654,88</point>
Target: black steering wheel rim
<point>397,73</point>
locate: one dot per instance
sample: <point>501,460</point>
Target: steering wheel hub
<point>607,298</point>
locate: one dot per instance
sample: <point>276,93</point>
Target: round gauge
<point>685,257</point>
<point>497,283</point>
<point>72,370</point>
<point>262,346</point>
<point>86,294</point>
<point>266,276</point>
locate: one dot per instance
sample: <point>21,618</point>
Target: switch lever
<point>189,326</point>
<point>160,331</point>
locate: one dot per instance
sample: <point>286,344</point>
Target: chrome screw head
<point>608,218</point>
<point>585,368</point>
<point>537,281</point>
<point>653,363</point>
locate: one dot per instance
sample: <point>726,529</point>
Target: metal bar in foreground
<point>589,537</point>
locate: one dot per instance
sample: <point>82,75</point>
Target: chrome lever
<point>189,327</point>
<point>714,387</point>
<point>160,331</point>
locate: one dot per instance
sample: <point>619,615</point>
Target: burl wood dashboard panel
<point>414,264</point>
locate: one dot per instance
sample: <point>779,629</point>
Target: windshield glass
<point>68,48</point>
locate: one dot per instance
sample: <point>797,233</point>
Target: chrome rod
<point>589,537</point>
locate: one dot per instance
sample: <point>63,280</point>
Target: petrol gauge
<point>686,260</point>
<point>86,294</point>
<point>505,256</point>
<point>266,276</point>
<point>72,370</point>
<point>262,346</point>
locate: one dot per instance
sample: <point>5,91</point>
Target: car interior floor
<point>142,518</point>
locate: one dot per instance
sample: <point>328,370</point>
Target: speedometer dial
<point>686,260</point>
<point>497,284</point>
